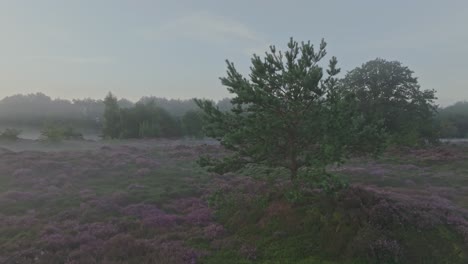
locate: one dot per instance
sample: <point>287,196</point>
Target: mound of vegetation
<point>360,224</point>
<point>56,133</point>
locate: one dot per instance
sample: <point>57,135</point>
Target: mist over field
<point>140,132</point>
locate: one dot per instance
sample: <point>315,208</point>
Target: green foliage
<point>10,134</point>
<point>56,133</point>
<point>143,120</point>
<point>112,123</point>
<point>193,123</point>
<point>52,133</point>
<point>310,179</point>
<point>331,183</point>
<point>146,120</point>
<point>33,110</point>
<point>453,120</point>
<point>294,195</point>
<point>149,129</point>
<point>288,114</point>
<point>321,228</point>
<point>386,91</point>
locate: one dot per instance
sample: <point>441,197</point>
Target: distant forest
<point>36,110</point>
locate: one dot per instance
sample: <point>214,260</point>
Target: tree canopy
<point>453,120</point>
<point>387,91</point>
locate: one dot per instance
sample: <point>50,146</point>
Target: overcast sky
<point>176,49</point>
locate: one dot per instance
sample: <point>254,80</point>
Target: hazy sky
<point>85,48</point>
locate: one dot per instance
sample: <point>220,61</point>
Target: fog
<point>206,132</point>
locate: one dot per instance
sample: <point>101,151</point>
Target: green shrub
<point>57,133</point>
<point>10,134</point>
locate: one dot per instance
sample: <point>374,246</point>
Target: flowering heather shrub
<point>18,195</point>
<point>377,171</point>
<point>24,221</point>
<point>213,231</point>
<point>249,252</point>
<point>439,153</point>
<point>22,173</point>
<point>48,164</point>
<point>142,161</point>
<point>104,204</point>
<point>99,230</point>
<point>195,210</point>
<point>162,220</point>
<point>80,225</point>
<point>141,210</point>
<point>119,198</point>
<point>80,257</point>
<point>125,247</point>
<point>200,216</point>
<point>56,241</point>
<point>84,238</point>
<point>177,252</point>
<point>92,245</point>
<point>385,250</point>
<point>51,229</point>
<point>387,210</point>
<point>210,149</point>
<point>142,172</point>
<point>408,167</point>
<point>87,194</point>
<point>152,216</point>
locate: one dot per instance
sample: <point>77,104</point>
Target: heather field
<point>148,201</point>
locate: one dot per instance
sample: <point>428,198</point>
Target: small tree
<point>387,91</point>
<point>52,133</point>
<point>111,127</point>
<point>287,114</point>
<point>192,123</point>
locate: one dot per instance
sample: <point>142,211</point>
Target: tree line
<point>46,114</point>
<point>453,120</point>
<point>146,119</point>
<point>383,92</point>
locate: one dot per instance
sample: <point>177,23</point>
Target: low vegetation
<point>57,133</point>
<point>10,134</point>
<point>150,202</point>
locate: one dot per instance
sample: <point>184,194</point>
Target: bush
<point>10,134</point>
<point>56,133</point>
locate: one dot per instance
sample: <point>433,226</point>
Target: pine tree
<point>287,114</point>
